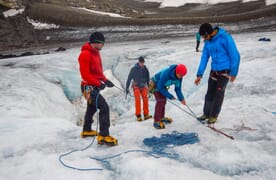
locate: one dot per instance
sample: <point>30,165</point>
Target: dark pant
<point>159,112</point>
<point>197,44</point>
<point>98,102</point>
<point>215,94</point>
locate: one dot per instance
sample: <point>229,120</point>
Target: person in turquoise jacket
<point>220,46</point>
<point>197,41</point>
<point>162,81</point>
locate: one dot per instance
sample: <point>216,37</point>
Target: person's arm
<point>178,90</point>
<point>148,76</point>
<point>202,66</point>
<point>234,58</point>
<point>130,76</point>
<point>161,85</point>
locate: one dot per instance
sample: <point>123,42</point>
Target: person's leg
<point>218,96</point>
<point>137,95</point>
<point>90,111</point>
<point>197,45</point>
<point>159,106</point>
<point>103,116</point>
<point>144,92</point>
<point>104,137</point>
<point>88,118</point>
<point>209,97</point>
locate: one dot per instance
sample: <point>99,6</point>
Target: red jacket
<point>90,63</point>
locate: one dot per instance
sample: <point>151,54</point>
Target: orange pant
<point>143,92</point>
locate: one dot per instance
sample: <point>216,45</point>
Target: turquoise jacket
<point>166,78</point>
<point>224,53</point>
<point>197,36</point>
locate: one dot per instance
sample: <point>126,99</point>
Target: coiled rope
<point>158,145</point>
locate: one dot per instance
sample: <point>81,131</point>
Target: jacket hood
<point>172,71</point>
<point>220,32</point>
<point>88,47</point>
<point>138,66</point>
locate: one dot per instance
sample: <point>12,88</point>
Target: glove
<point>109,83</point>
<point>102,86</point>
<point>127,91</point>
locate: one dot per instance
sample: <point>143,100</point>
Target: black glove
<point>127,91</point>
<point>109,83</point>
<point>101,87</point>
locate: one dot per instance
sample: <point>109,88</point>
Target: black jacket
<point>139,75</point>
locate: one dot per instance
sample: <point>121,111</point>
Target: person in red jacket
<point>93,80</point>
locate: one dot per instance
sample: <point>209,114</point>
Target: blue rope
<point>83,149</point>
<point>119,154</point>
<point>191,114</point>
<point>170,140</point>
<point>158,145</point>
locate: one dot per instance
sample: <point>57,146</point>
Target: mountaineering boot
<point>212,120</point>
<point>166,120</point>
<point>202,118</point>
<point>108,140</point>
<point>139,118</point>
<point>159,125</point>
<point>88,133</point>
<point>146,117</point>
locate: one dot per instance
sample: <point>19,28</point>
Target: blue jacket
<point>224,53</point>
<point>164,79</point>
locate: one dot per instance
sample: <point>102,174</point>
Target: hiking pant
<point>159,112</point>
<point>215,93</point>
<point>138,93</point>
<point>98,102</point>
<point>197,45</point>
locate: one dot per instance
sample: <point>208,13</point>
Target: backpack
<point>152,86</point>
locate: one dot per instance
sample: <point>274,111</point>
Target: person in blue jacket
<point>197,41</point>
<point>220,46</point>
<point>162,81</point>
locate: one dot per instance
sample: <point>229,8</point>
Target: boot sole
<point>108,143</point>
<point>85,136</point>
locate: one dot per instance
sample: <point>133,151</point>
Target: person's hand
<point>232,78</point>
<point>102,86</point>
<point>109,83</point>
<point>127,91</point>
<point>197,81</point>
<point>183,102</point>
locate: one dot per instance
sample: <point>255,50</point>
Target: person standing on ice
<point>197,41</point>
<point>140,77</point>
<point>159,86</point>
<point>220,46</point>
<point>93,80</point>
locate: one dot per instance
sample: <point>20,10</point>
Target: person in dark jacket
<point>221,47</point>
<point>172,75</point>
<point>93,80</point>
<point>139,75</point>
